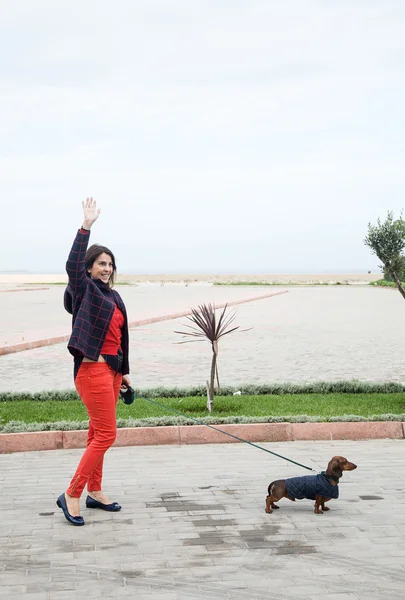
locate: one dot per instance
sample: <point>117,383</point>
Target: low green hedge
<point>385,283</point>
<point>19,426</point>
<point>319,387</point>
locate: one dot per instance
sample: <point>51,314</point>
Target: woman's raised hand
<point>90,212</point>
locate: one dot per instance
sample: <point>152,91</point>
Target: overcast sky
<point>216,135</point>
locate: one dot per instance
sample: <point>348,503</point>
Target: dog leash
<point>226,433</point>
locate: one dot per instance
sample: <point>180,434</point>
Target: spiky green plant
<point>205,326</point>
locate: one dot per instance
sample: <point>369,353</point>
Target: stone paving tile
<point>356,550</point>
<point>308,334</point>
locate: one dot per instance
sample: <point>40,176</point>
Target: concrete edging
<point>199,434</point>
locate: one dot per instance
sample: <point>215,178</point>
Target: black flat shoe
<point>61,502</point>
<point>113,507</point>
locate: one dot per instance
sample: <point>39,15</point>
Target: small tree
<point>387,241</point>
<point>205,326</point>
<point>400,273</point>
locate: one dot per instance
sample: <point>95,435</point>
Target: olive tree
<point>387,241</point>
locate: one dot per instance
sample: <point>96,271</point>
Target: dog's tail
<point>269,490</point>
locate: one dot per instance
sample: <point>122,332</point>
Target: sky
<point>217,136</point>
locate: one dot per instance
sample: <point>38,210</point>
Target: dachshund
<point>321,488</point>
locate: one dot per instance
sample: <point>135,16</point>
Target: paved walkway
<point>309,334</point>
<point>193,526</point>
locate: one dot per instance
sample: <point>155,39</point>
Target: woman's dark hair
<point>93,253</point>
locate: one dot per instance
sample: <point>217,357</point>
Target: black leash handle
<point>226,433</point>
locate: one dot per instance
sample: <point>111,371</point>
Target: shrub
<point>351,386</point>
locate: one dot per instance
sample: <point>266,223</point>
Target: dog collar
<point>330,476</point>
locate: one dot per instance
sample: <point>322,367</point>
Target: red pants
<point>98,386</point>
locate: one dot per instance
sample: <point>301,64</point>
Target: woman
<point>99,344</point>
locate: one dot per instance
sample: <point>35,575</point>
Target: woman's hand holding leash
<point>126,382</point>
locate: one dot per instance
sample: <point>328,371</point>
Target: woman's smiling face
<point>102,268</point>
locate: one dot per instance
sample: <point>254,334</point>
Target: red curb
<point>24,290</point>
<point>31,345</point>
<point>198,434</point>
<point>64,338</point>
<point>74,439</point>
<point>147,436</point>
<point>30,441</point>
<point>363,430</point>
<point>252,432</point>
<point>134,436</point>
<point>188,312</point>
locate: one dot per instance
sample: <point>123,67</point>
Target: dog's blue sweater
<point>310,486</point>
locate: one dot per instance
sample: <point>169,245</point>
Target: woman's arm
<point>125,349</point>
<point>75,266</point>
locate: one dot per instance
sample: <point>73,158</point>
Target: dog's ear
<point>334,467</point>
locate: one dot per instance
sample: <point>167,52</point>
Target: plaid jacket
<point>92,304</point>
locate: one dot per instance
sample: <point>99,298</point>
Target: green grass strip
<point>225,409</point>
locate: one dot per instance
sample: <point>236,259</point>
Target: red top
<point>112,342</point>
